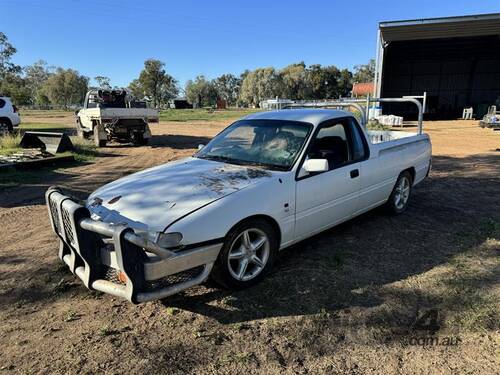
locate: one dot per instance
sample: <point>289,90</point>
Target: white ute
<point>266,182</point>
<point>112,114</point>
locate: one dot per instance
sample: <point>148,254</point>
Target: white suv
<point>9,115</point>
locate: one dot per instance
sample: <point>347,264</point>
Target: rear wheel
<point>139,140</point>
<point>247,254</point>
<point>400,196</point>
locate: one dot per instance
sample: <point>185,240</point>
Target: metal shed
<point>456,60</point>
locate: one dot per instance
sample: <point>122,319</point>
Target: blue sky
<point>113,38</point>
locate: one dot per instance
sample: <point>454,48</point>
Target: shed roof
<point>445,27</point>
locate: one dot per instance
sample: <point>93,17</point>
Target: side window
<point>2,103</point>
<point>331,143</point>
<point>357,145</point>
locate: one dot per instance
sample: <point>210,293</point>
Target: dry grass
<point>9,144</point>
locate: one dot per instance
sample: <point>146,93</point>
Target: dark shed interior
<point>456,60</point>
<point>455,72</point>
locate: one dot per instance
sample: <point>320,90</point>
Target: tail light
<point>15,109</point>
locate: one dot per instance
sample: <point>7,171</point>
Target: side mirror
<point>200,146</point>
<point>315,165</point>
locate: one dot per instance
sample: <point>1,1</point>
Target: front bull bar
<point>114,259</point>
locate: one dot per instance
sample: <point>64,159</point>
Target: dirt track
<point>345,300</point>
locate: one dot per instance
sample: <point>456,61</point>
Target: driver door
<point>327,198</point>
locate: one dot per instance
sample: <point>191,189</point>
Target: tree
<point>14,86</point>
<point>155,83</point>
<point>7,50</point>
<point>293,81</point>
<point>136,89</point>
<point>103,82</point>
<point>260,84</point>
<point>201,92</point>
<point>36,75</point>
<point>228,88</point>
<point>66,87</point>
<point>345,83</point>
<point>364,73</point>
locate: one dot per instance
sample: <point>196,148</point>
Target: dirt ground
<point>347,300</point>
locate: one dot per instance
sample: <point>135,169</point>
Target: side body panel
<point>325,199</point>
<point>387,160</point>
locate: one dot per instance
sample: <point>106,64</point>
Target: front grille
<point>55,216</point>
<point>176,278</point>
<point>67,226</point>
<point>111,274</point>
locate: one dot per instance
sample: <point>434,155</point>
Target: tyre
<point>98,142</point>
<point>400,196</point>
<point>247,254</point>
<point>139,140</point>
<point>5,126</point>
<point>79,131</point>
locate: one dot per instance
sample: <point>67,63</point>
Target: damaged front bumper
<point>113,259</point>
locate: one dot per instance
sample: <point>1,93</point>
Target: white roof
<point>312,116</point>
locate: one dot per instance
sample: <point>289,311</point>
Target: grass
<point>84,152</point>
<point>47,127</point>
<point>9,144</point>
<point>202,114</point>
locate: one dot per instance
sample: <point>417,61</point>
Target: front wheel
<point>400,196</point>
<point>247,254</point>
<point>98,142</point>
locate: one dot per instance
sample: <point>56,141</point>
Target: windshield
<point>269,143</point>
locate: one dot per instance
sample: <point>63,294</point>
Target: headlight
<point>166,240</point>
<point>169,240</point>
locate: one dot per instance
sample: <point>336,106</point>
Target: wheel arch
<point>264,217</point>
<point>412,173</point>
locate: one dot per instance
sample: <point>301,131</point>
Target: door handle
<point>354,173</point>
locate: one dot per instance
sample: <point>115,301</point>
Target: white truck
<point>112,115</point>
<point>266,182</point>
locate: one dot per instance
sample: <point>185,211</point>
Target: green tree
<point>365,72</point>
<point>103,82</point>
<point>294,83</point>
<point>36,75</point>
<point>345,83</point>
<point>7,50</point>
<point>201,92</point>
<point>14,86</point>
<point>136,89</point>
<point>228,88</point>
<point>155,83</point>
<point>66,87</point>
<point>260,84</point>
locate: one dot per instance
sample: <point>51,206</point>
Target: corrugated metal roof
<point>446,27</point>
